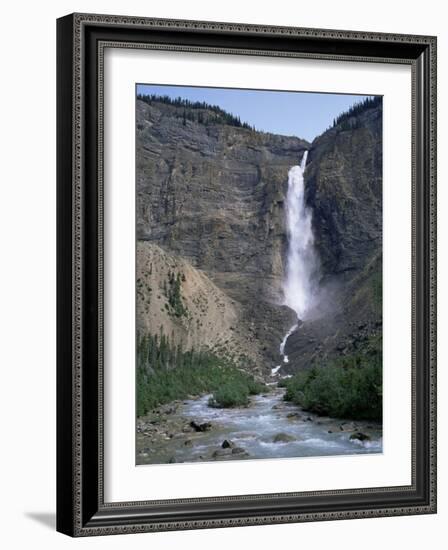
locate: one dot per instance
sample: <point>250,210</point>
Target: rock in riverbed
<point>283,438</point>
<point>230,452</point>
<point>204,427</point>
<point>359,436</point>
<point>239,451</point>
<point>220,453</point>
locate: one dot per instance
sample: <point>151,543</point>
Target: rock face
<point>179,300</point>
<point>344,189</point>
<point>210,207</point>
<point>343,183</point>
<point>213,195</point>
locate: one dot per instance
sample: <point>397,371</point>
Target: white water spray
<point>283,344</point>
<point>299,285</point>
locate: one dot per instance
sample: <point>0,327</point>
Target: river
<point>268,428</point>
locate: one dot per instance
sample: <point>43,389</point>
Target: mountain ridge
<point>213,194</point>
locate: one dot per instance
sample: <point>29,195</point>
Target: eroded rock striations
<point>212,194</point>
<point>211,233</point>
<point>343,182</point>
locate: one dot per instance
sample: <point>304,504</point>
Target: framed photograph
<point>246,274</point>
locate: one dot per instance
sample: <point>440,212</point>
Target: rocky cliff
<point>210,221</point>
<point>343,183</point>
<point>212,194</point>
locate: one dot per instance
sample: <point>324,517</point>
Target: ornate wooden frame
<point>81,39</point>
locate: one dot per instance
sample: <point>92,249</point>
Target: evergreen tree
<point>344,118</point>
<point>217,116</point>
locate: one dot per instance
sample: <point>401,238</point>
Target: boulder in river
<point>348,427</point>
<point>220,453</point>
<point>239,451</point>
<point>227,444</point>
<point>283,438</point>
<point>204,427</point>
<point>359,436</point>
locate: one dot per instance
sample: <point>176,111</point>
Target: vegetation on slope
<point>165,373</point>
<point>172,291</point>
<point>196,111</point>
<point>347,119</point>
<point>349,387</point>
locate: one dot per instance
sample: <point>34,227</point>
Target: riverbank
<point>192,431</point>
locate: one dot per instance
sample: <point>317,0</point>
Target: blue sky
<point>302,114</point>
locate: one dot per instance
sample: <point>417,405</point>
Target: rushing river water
<point>269,428</point>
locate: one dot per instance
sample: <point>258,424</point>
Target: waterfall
<point>298,285</point>
<point>283,343</point>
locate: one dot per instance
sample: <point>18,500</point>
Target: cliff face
<point>213,195</point>
<point>210,206</point>
<point>343,183</point>
<point>344,189</point>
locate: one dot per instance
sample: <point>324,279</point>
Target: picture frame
<point>81,506</point>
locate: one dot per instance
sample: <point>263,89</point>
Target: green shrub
<point>232,394</point>
<point>173,292</point>
<point>236,391</point>
<point>255,387</point>
<point>166,373</point>
<point>350,387</point>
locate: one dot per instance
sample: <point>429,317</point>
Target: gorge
<point>243,254</point>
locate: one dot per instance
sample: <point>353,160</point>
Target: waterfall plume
<point>299,286</point>
<point>299,282</point>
